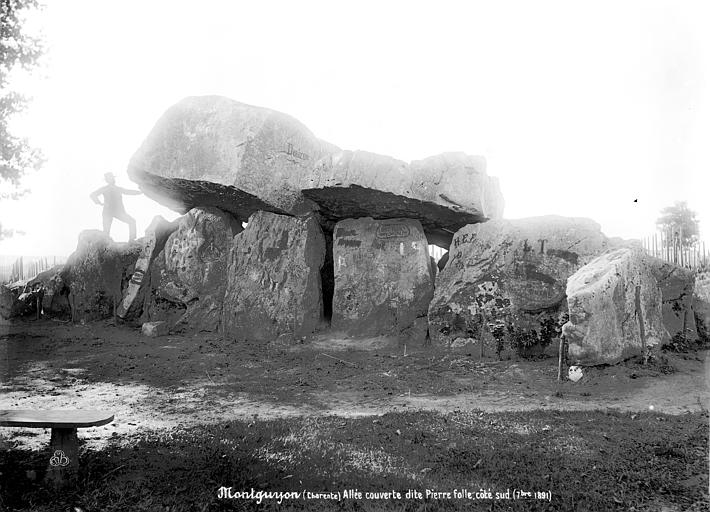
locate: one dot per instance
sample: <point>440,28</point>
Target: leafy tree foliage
<point>680,222</point>
<point>18,50</point>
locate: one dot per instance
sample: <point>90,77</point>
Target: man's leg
<point>123,216</point>
<point>108,219</point>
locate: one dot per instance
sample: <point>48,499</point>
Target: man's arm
<point>130,192</point>
<point>95,196</point>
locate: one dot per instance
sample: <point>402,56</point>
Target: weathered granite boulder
<point>701,306</point>
<point>137,292</point>
<point>677,285</point>
<point>98,272</point>
<point>21,298</point>
<point>383,277</point>
<point>55,300</point>
<point>615,309</point>
<point>443,192</point>
<point>273,278</point>
<point>192,269</point>
<point>213,151</point>
<point>505,280</point>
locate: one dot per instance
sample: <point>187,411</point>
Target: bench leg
<point>64,462</point>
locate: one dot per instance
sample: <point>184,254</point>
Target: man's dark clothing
<point>114,209</point>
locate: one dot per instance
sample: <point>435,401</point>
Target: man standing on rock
<point>113,205</point>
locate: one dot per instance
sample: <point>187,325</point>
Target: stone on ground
<point>615,309</point>
<point>98,272</point>
<point>136,293</point>
<point>155,329</point>
<point>192,269</point>
<point>383,277</point>
<point>273,278</point>
<point>506,280</point>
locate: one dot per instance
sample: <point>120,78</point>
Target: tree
<point>680,223</point>
<point>18,50</point>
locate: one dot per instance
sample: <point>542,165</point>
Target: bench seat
<point>54,418</point>
<point>64,463</point>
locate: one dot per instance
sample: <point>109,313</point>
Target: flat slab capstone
<point>213,151</point>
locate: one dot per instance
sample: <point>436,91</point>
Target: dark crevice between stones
<point>327,276</point>
<point>327,271</point>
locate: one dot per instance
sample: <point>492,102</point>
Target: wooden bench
<point>64,462</point>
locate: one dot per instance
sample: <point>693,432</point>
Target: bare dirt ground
<point>182,380</point>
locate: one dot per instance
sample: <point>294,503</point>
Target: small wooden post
<point>64,461</point>
<point>560,357</point>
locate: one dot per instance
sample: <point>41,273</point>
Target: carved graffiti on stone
<point>137,277</point>
<point>387,231</point>
<point>466,238</point>
<point>291,151</point>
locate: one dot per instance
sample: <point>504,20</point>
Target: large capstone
<point>505,280</point>
<point>98,272</point>
<point>677,285</point>
<point>213,151</point>
<point>443,192</point>
<point>273,278</point>
<point>615,309</point>
<point>190,273</point>
<point>136,294</point>
<point>383,277</point>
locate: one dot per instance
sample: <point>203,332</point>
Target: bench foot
<point>64,462</point>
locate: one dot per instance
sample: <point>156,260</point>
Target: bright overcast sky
<point>578,107</point>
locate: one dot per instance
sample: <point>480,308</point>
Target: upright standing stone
<point>98,272</point>
<point>701,306</point>
<point>273,278</point>
<point>614,309</point>
<point>192,269</point>
<point>134,297</point>
<point>383,277</point>
<point>676,284</point>
<point>509,278</point>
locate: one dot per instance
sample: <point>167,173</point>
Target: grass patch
<point>587,460</point>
